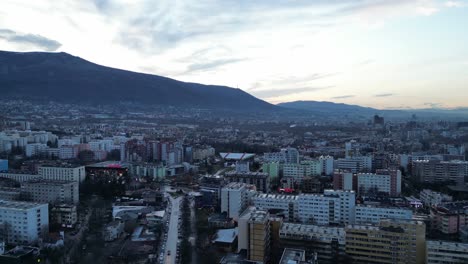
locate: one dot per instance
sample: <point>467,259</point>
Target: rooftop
<point>109,165</point>
<point>292,256</point>
<point>226,236</point>
<point>236,156</point>
<point>19,205</point>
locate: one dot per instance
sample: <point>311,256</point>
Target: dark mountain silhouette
<point>65,78</point>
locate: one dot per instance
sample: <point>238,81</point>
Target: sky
<point>387,54</point>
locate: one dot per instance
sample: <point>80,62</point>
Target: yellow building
<point>392,241</point>
<point>259,237</point>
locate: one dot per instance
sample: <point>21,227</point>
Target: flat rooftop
<point>19,205</point>
<point>292,256</point>
<point>109,165</point>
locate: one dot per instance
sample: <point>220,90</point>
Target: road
<point>172,234</point>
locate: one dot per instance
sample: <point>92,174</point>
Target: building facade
<point>391,241</point>
<point>23,222</point>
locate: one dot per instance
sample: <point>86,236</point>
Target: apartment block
<point>328,242</point>
<point>235,198</point>
<point>51,191</point>
<point>391,241</point>
<point>444,252</point>
<point>373,213</point>
<point>23,222</point>
<point>434,171</point>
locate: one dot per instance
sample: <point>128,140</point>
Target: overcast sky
<point>378,53</point>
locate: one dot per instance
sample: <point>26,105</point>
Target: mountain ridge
<point>66,78</point>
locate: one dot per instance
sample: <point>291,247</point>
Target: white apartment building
<point>327,164</point>
<point>20,177</point>
<point>51,191</point>
<point>284,203</point>
<point>235,198</point>
<point>347,204</point>
<point>298,171</point>
<point>354,164</point>
<point>68,152</point>
<point>23,222</point>
<point>443,252</point>
<point>286,155</point>
<point>63,173</point>
<point>333,207</point>
<point>35,149</point>
<point>431,198</point>
<point>368,182</point>
<point>318,209</point>
<point>373,214</point>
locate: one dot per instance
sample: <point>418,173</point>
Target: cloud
<point>269,93</point>
<point>37,41</point>
<point>433,105</point>
<point>384,95</point>
<point>427,10</point>
<point>454,4</point>
<point>343,97</point>
<point>204,66</point>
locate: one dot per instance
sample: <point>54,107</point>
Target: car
<point>168,252</point>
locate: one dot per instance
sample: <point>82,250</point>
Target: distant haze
<point>381,54</point>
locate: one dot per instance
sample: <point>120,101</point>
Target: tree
<point>114,155</point>
<point>86,156</point>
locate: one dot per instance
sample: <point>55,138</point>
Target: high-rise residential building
<point>386,181</point>
<point>352,149</point>
<point>259,179</point>
<point>272,169</point>
<point>391,241</point>
<point>446,252</point>
<point>328,242</point>
<point>434,171</point>
<point>383,181</point>
<point>286,155</point>
<point>285,204</point>
<point>354,164</point>
<point>254,234</point>
<point>344,180</point>
<point>51,191</point>
<point>430,198</point>
<point>327,164</point>
<point>35,149</point>
<point>63,172</point>
<point>332,207</point>
<point>298,171</point>
<point>373,213</point>
<point>235,198</point>
<point>23,222</point>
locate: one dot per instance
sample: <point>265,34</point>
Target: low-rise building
<point>373,213</point>
<point>444,252</point>
<point>64,215</point>
<point>431,198</point>
<point>259,179</point>
<point>113,230</point>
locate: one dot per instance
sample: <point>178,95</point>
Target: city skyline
<point>383,54</point>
